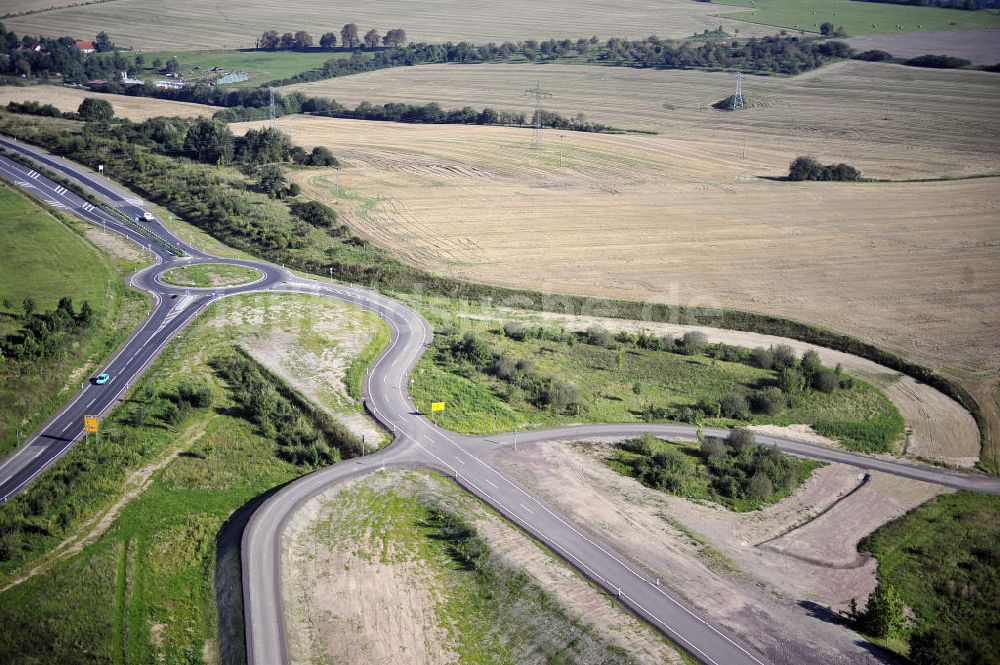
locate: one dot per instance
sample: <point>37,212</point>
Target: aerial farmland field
<point>685,216</point>
<point>189,24</point>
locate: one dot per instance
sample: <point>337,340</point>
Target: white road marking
<point>530,511</point>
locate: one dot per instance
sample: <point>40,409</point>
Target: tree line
<point>44,57</point>
<point>350,38</point>
<point>44,334</point>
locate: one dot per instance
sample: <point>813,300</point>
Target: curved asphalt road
<point>417,442</point>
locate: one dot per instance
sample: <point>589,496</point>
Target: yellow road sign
<point>90,424</point>
<point>437,406</point>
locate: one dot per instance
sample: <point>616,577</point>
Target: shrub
<point>197,395</point>
<point>712,448</point>
<point>783,355</point>
<point>97,110</point>
<point>314,213</point>
<point>936,647</point>
<point>760,487</point>
<point>321,156</point>
<point>515,330</point>
<point>770,401</point>
<point>598,336</point>
<point>294,189</point>
<point>561,395</point>
<point>739,439</point>
<point>472,349</point>
<point>874,55</point>
<point>790,381</point>
<point>694,342</point>
<point>762,358</point>
<point>937,62</point>
<point>734,405</point>
<point>504,368</point>
<point>825,380</point>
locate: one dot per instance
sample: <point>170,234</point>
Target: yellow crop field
<point>133,108</point>
<point>191,24</point>
<point>892,121</point>
<point>684,216</point>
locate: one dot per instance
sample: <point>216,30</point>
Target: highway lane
<point>417,443</point>
<point>173,308</point>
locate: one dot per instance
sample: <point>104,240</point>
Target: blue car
<point>101,379</point>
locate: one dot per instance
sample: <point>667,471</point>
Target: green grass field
<point>475,400</point>
<point>208,275</point>
<point>144,590</point>
<point>857,18</point>
<point>46,258</point>
<point>262,66</point>
<point>944,560</point>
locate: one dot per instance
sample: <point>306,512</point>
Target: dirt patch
<point>336,589</point>
<point>315,355</point>
<point>116,246</point>
<point>777,602</point>
<point>980,46</point>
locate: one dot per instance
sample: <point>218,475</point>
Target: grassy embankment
<point>262,66</point>
<point>208,275</point>
<point>944,560</point>
<point>857,18</point>
<point>621,382</point>
<point>143,591</point>
<point>490,610</point>
<point>46,256</point>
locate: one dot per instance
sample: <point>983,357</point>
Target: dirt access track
<point>786,565</point>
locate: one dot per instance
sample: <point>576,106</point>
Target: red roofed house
<point>85,46</point>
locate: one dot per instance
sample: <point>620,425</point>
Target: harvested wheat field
<point>192,25</point>
<point>133,108</point>
<point>891,121</point>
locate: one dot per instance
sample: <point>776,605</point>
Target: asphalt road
<point>417,443</point>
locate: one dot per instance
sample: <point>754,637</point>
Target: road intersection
<point>417,442</point>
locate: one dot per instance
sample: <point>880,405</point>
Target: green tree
<point>96,110</point>
<point>209,141</point>
<point>271,180</point>
<point>349,36</point>
<point>268,40</point>
<point>883,617</point>
<point>328,40</point>
<point>104,44</point>
<point>935,647</point>
<point>302,39</point>
<point>29,306</point>
<point>372,38</point>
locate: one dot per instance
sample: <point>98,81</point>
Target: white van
<point>148,217</point>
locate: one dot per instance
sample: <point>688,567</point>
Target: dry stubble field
<point>191,25</point>
<point>683,216</point>
<point>133,108</point>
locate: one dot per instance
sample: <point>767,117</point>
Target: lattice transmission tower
<point>738,96</point>
<point>539,95</point>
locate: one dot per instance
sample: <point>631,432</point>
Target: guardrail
<point>141,229</point>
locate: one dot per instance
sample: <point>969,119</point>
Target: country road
<point>417,443</point>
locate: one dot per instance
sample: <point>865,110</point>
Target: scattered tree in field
<point>271,180</point>
<point>209,141</point>
<point>139,60</point>
<point>287,41</point>
<point>302,39</point>
<point>172,66</point>
<point>883,617</point>
<point>349,36</point>
<point>269,40</point>
<point>29,306</point>
<point>328,40</point>
<point>734,405</point>
<point>96,110</point>
<point>808,168</point>
<point>394,38</point>
<point>372,38</point>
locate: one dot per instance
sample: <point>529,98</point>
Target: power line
<point>539,95</point>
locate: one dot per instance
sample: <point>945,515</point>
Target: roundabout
<point>210,275</point>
